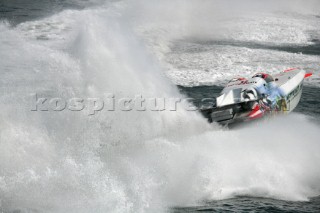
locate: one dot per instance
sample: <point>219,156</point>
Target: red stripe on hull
<point>290,69</point>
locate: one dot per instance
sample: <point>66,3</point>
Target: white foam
<point>218,63</point>
<point>182,40</point>
<point>127,161</point>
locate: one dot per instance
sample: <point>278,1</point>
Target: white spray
<point>127,161</point>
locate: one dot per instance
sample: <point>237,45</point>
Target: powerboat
<point>249,99</point>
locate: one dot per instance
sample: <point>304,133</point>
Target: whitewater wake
<point>127,161</point>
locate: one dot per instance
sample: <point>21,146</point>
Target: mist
<point>136,161</point>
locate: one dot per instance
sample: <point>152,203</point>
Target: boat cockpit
<point>268,78</point>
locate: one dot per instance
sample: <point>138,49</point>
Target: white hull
<point>243,99</point>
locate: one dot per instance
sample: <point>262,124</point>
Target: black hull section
<point>228,114</point>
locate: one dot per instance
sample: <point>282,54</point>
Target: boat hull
<point>282,96</point>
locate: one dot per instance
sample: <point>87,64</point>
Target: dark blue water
<point>250,204</point>
<point>17,11</point>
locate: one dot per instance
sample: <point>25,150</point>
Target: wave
<point>127,161</point>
